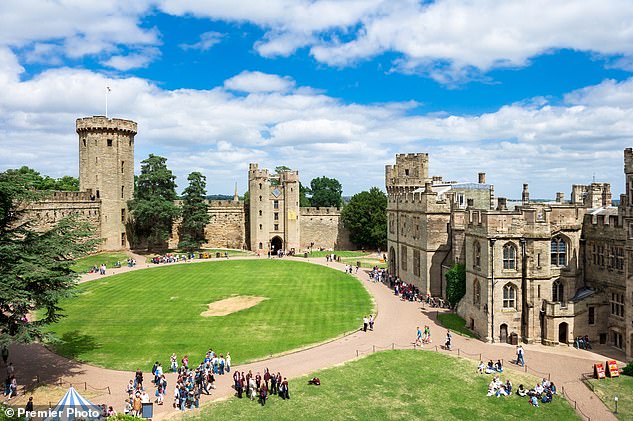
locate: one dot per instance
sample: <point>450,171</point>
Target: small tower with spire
<point>236,197</point>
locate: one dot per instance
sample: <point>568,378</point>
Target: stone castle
<point>535,271</point>
<point>272,220</point>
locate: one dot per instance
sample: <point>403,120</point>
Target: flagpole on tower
<point>106,100</point>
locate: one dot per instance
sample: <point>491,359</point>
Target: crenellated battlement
<point>226,204</point>
<point>102,123</point>
<point>320,211</point>
<point>69,196</point>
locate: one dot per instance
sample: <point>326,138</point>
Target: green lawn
<point>133,319</point>
<point>84,264</point>
<point>455,323</point>
<point>622,387</point>
<point>342,253</point>
<point>365,262</point>
<point>395,385</point>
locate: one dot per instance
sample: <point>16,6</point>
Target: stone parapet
<point>102,123</point>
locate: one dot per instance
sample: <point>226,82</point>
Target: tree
<point>366,218</point>
<point>304,200</point>
<point>326,192</point>
<point>455,283</point>
<point>40,182</point>
<point>194,213</point>
<point>153,206</point>
<point>278,170</point>
<point>35,266</point>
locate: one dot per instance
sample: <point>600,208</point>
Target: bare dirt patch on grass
<point>231,305</point>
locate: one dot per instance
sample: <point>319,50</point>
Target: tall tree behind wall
<point>153,206</point>
<point>195,216</point>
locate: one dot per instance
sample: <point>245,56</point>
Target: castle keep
<point>273,220</point>
<point>535,271</point>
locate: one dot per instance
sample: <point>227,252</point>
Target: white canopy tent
<point>73,406</point>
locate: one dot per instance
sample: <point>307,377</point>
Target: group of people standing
<point>260,386</point>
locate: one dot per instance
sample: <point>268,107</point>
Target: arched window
<point>509,256</point>
<point>559,252</point>
<point>477,255</point>
<point>558,291</point>
<point>476,293</point>
<point>509,296</point>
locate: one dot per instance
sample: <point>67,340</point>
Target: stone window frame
<point>617,305</point>
<point>416,262</point>
<point>476,254</point>
<point>510,256</point>
<point>558,291</point>
<point>403,257</point>
<point>476,293</point>
<point>509,296</point>
<point>559,248</point>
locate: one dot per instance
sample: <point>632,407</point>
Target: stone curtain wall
<point>44,214</point>
<point>226,229</point>
<point>324,228</point>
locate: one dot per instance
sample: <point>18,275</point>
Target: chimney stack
<point>560,197</point>
<point>525,197</point>
<point>482,178</point>
<point>502,204</point>
<point>428,187</point>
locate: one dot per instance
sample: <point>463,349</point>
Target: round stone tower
<point>106,167</point>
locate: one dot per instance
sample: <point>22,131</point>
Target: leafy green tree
<point>35,265</point>
<point>326,192</point>
<point>194,213</point>
<point>366,218</point>
<point>153,206</point>
<point>455,283</point>
<point>40,182</point>
<point>278,170</point>
<point>304,192</point>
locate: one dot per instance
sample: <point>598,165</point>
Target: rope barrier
<point>570,400</point>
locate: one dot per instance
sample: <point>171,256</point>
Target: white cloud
<point>50,29</point>
<point>132,61</point>
<point>258,82</point>
<point>449,40</point>
<point>207,40</point>
<point>218,131</point>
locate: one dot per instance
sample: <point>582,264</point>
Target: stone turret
<point>106,167</point>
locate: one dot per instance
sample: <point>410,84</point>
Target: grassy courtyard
<point>133,319</point>
<point>86,263</point>
<point>395,385</point>
<point>622,387</point>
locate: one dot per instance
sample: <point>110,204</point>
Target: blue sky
<point>537,92</point>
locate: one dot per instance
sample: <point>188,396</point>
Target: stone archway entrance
<point>562,333</point>
<point>392,261</point>
<point>276,244</point>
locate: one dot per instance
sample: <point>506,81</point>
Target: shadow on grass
<point>74,344</point>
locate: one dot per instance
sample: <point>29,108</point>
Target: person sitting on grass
<point>498,367</point>
<point>547,397</point>
<point>534,401</point>
<point>521,391</point>
<point>502,391</point>
<point>509,386</point>
<point>315,381</point>
<point>552,388</point>
<point>481,367</point>
<point>490,368</point>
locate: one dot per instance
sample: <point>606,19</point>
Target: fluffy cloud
<point>449,40</point>
<point>206,41</point>
<point>258,82</point>
<point>218,131</point>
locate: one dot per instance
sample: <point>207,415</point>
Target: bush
<point>455,283</point>
<point>628,370</point>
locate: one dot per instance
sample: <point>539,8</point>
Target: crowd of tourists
<point>191,382</point>
<point>172,258</point>
<point>378,274</point>
<point>582,342</point>
<point>260,387</point>
<point>542,392</point>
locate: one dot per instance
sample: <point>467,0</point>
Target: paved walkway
<point>395,327</point>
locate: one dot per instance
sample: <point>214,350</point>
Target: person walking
<point>449,338</point>
<point>365,323</point>
<point>520,356</point>
<point>418,338</point>
<point>371,322</point>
